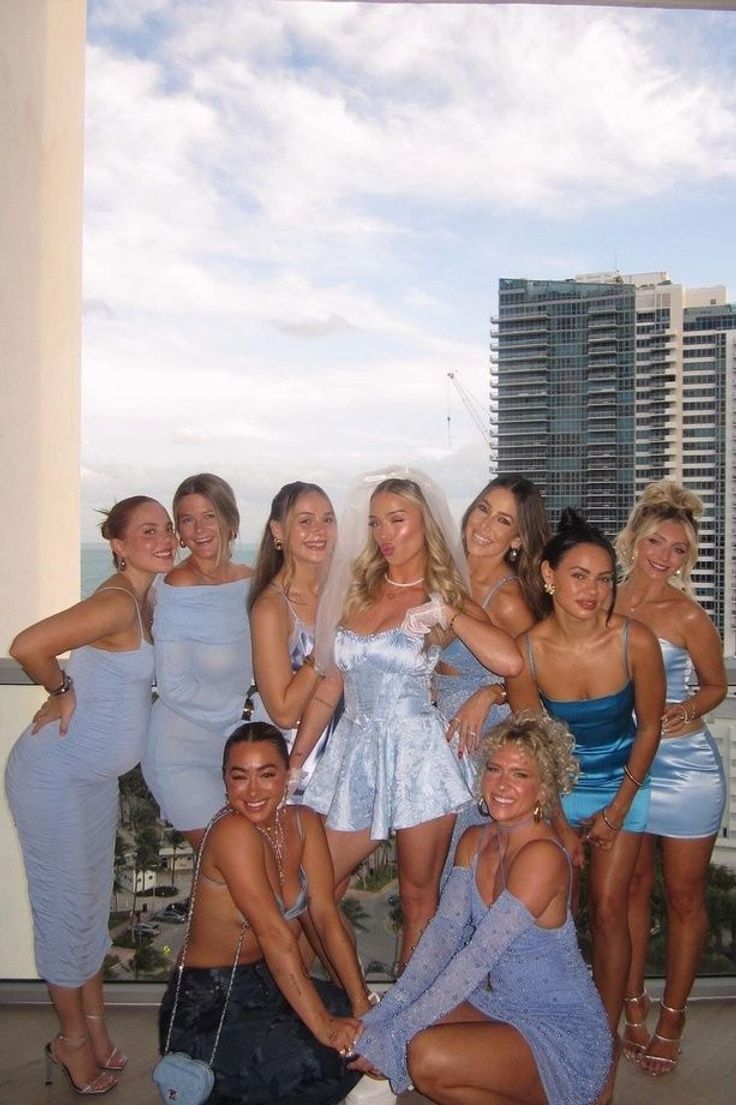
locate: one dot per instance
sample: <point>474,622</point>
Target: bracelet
<point>452,619</point>
<point>613,828</point>
<point>637,783</point>
<point>66,685</point>
<point>310,662</point>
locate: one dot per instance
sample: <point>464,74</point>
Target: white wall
<point>41,138</point>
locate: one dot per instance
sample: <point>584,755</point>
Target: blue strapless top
<point>678,668</point>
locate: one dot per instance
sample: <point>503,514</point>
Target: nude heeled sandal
<point>667,1064</point>
<point>639,1003</point>
<point>115,1060</point>
<point>103,1083</point>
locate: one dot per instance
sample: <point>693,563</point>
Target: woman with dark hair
<point>658,549</point>
<point>396,594</point>
<point>292,561</point>
<point>496,1004</point>
<point>62,779</point>
<point>504,531</point>
<point>592,669</point>
<point>264,875</point>
<point>203,662</point>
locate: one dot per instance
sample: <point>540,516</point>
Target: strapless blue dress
<point>387,765</point>
<point>512,970</point>
<point>688,780</point>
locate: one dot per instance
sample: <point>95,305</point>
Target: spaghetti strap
<point>530,655</point>
<point>135,600</point>
<point>496,587</point>
<point>625,644</point>
<point>280,591</point>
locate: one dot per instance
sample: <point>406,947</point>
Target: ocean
<point>96,563</point>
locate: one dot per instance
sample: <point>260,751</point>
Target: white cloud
<point>280,199</point>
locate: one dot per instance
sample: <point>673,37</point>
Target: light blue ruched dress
<point>63,792</point>
<point>387,765</point>
<point>203,672</point>
<point>512,970</point>
<point>688,782</point>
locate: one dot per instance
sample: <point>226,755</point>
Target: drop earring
<point>513,556</point>
<point>122,565</point>
<point>549,586</point>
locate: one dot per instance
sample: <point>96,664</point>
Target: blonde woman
<point>658,549</point>
<point>203,666</point>
<point>388,765</point>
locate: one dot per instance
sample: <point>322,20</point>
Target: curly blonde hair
<point>548,742</point>
<point>663,501</point>
<point>440,574</point>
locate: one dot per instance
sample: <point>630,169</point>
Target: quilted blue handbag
<point>182,1080</point>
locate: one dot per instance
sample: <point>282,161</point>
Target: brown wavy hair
<point>117,519</point>
<point>534,533</point>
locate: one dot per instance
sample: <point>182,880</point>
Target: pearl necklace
<point>277,841</point>
<point>395,583</point>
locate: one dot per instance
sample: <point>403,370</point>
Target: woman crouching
<point>265,874</point>
<point>510,1013</point>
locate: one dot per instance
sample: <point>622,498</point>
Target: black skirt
<point>266,1054</point>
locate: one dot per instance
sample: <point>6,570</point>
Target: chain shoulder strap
<point>182,961</point>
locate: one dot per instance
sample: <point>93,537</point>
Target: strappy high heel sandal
<point>115,1060</point>
<point>639,1004</point>
<point>665,1063</point>
<point>103,1083</point>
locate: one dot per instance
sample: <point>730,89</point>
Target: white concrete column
<point>41,137</point>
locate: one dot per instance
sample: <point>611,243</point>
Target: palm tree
<point>176,839</point>
<point>356,914</point>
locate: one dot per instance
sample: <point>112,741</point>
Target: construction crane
<point>479,414</point>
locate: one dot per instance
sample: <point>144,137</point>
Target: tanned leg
<point>421,852</point>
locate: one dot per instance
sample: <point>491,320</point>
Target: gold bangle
<point>635,781</point>
<point>452,619</point>
<point>613,828</point>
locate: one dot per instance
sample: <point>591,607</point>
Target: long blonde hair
<point>440,573</point>
<point>663,501</point>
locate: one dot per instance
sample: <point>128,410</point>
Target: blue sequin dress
<point>63,792</point>
<point>604,730</point>
<point>688,781</point>
<point>387,765</point>
<point>512,970</point>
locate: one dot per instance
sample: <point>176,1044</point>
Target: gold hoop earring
<point>538,813</point>
<point>182,544</point>
<point>483,808</point>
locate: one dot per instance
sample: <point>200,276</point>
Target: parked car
<point>145,930</point>
<point>180,907</point>
<point>172,915</point>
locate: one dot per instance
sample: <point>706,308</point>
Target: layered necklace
<point>277,840</point>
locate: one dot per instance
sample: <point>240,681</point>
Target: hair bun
<point>667,493</point>
<point>571,519</point>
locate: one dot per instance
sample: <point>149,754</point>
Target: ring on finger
<point>472,732</point>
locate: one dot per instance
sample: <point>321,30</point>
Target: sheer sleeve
<point>439,942</point>
<point>385,1038</point>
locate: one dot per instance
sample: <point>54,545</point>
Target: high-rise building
<point>603,383</point>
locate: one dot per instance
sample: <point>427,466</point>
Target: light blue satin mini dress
<point>387,765</point>
<point>688,782</point>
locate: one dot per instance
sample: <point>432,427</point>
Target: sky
<point>297,214</point>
